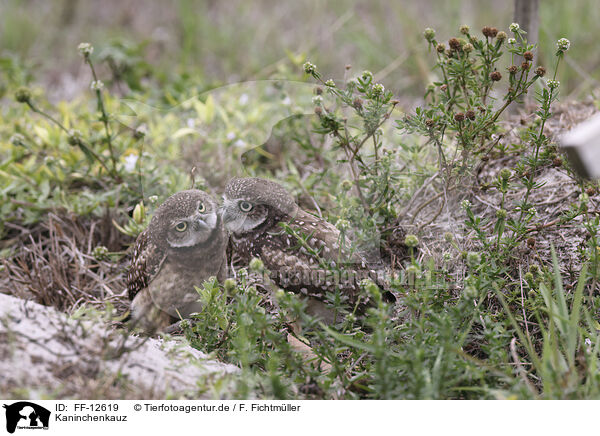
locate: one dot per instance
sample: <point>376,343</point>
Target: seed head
<point>512,69</point>
<point>440,48</point>
<point>468,47</point>
<point>540,71</point>
<point>459,116</point>
<point>495,76</point>
<point>501,36</point>
<point>318,110</point>
<point>525,65</point>
<point>470,114</point>
<point>454,44</point>
<point>489,32</point>
<point>429,122</point>
<point>318,90</point>
<point>357,103</point>
<point>464,29</point>
<point>528,56</point>
<point>531,243</point>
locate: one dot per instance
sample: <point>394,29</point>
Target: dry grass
<point>54,264</point>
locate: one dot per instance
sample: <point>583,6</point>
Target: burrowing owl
<point>183,246</point>
<point>308,257</point>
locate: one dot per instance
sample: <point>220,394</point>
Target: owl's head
<point>250,202</point>
<point>185,219</point>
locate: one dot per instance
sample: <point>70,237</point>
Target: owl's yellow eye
<point>245,206</point>
<point>180,227</point>
<point>201,207</point>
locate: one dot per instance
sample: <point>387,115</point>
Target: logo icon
<point>26,415</point>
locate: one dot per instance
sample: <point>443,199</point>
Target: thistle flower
<point>553,84</point>
<point>501,36</point>
<point>317,100</point>
<point>514,27</point>
<point>367,74</point>
<point>501,214</point>
<point>464,29</point>
<point>465,204</point>
<point>330,83</point>
<point>468,48</point>
<point>512,41</point>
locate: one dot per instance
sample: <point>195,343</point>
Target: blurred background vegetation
<point>209,43</point>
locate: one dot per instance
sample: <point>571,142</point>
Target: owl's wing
<point>145,264</point>
<point>324,238</point>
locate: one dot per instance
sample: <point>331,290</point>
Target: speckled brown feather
<point>291,263</point>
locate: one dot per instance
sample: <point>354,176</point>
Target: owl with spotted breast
<point>304,253</point>
<point>182,247</point>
